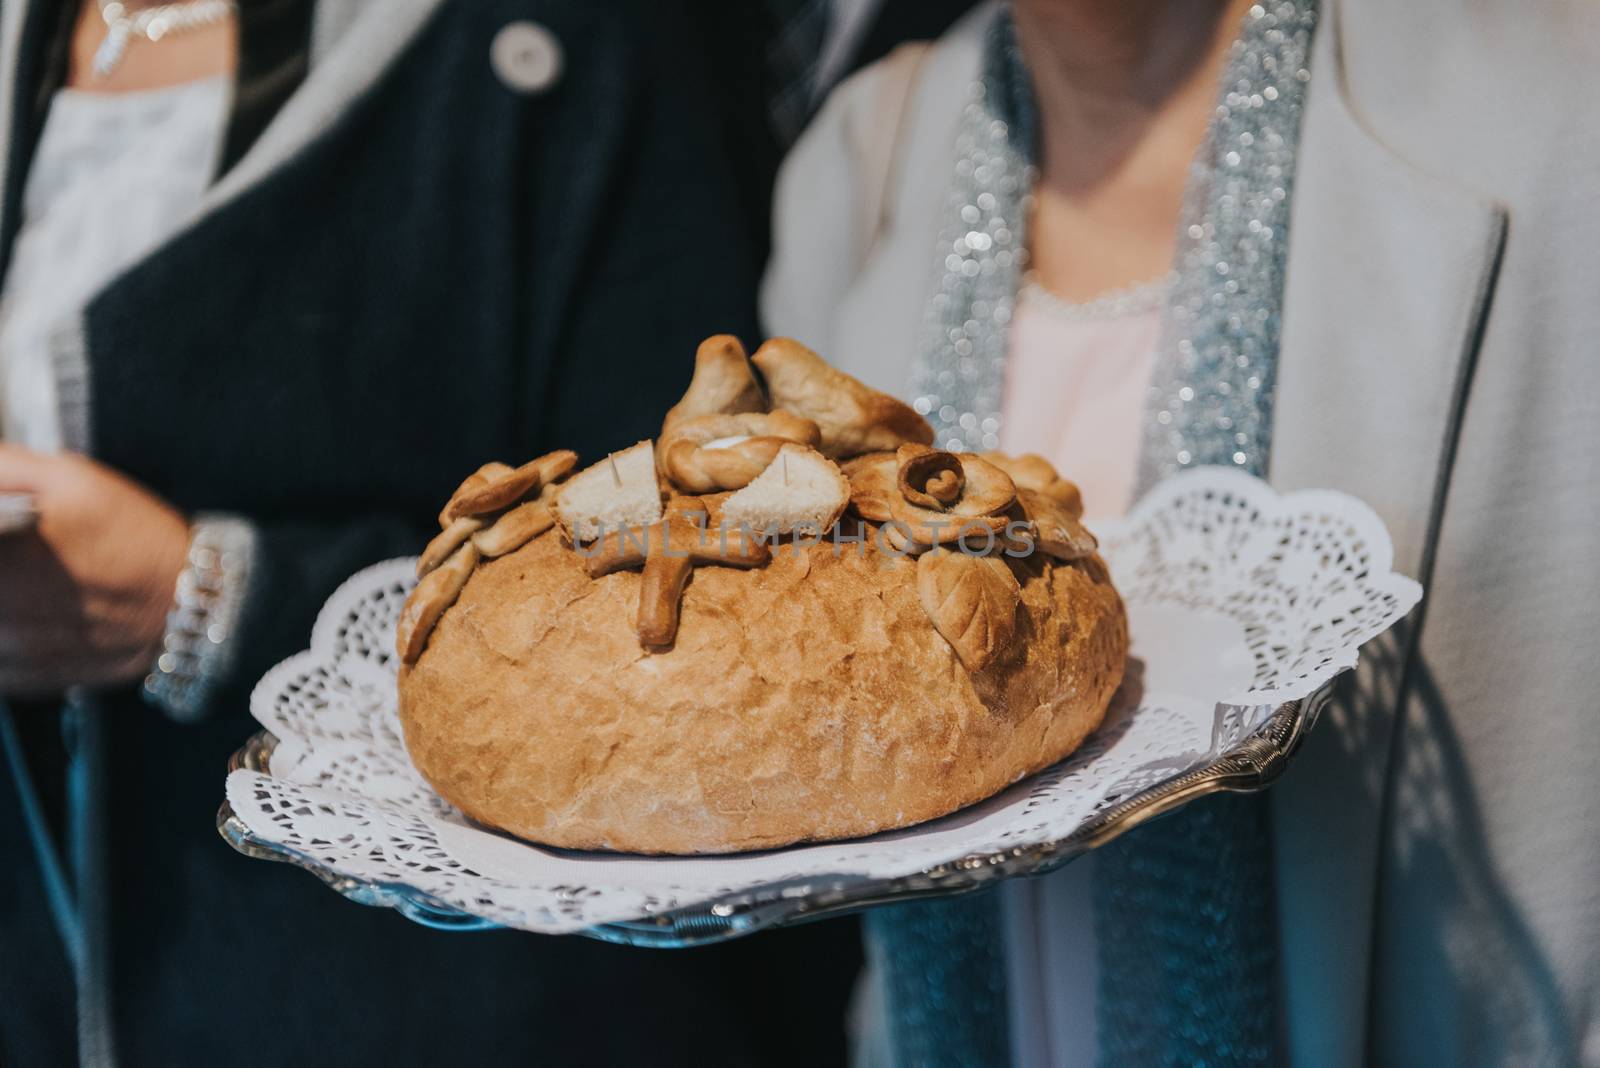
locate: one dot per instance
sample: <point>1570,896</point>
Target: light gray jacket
<point>1441,315</point>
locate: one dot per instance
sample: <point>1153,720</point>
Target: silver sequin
<point>960,371</point>
<point>1210,397</point>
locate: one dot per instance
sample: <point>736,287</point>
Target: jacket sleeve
<point>290,568</point>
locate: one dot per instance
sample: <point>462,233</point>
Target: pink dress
<point>1074,393</point>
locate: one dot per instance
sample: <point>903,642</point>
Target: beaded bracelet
<point>197,651</point>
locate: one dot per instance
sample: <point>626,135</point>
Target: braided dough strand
<point>695,464</point>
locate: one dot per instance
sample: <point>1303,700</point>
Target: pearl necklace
<point>152,24</point>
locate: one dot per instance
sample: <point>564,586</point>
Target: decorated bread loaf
<point>790,618</point>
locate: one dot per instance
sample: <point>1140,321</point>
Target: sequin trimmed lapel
<point>1389,277</point>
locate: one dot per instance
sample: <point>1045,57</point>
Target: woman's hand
<point>84,595</point>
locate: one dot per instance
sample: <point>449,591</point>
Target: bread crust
<point>811,699</point>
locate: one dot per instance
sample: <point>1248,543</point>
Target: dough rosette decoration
<point>945,498</point>
<point>928,499</point>
<point>950,510</point>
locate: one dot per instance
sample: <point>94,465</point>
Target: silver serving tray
<point>1247,767</point>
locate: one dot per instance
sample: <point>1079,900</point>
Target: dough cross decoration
<point>669,550</point>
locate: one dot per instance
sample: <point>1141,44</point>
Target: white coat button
<point>526,57</point>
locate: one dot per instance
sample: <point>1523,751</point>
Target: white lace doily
<point>1238,600</point>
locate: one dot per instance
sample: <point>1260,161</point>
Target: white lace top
<point>113,177</point>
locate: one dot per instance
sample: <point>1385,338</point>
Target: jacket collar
<point>1390,274</point>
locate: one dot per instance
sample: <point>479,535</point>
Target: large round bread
<point>810,699</point>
